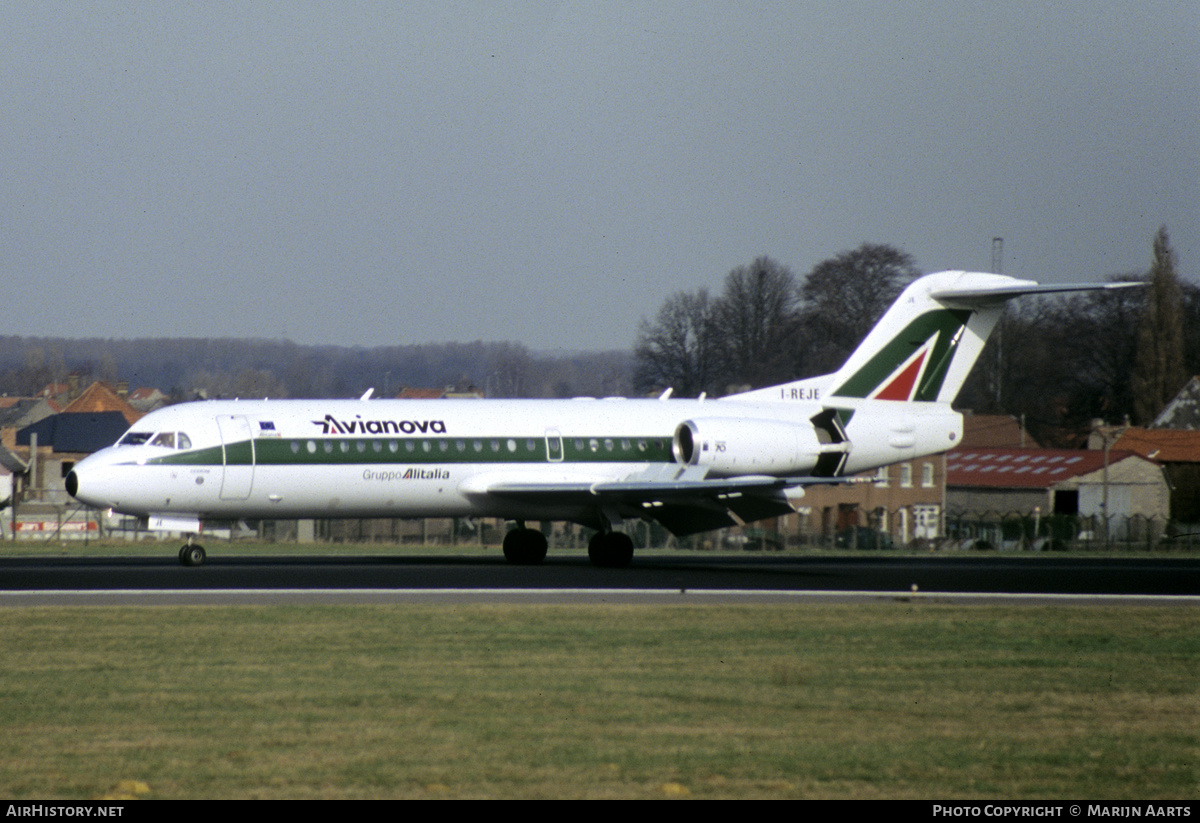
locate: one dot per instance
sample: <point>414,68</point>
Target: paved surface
<point>570,578</point>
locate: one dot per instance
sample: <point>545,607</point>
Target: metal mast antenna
<point>997,268</point>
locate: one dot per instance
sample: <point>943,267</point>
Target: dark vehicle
<point>860,537</point>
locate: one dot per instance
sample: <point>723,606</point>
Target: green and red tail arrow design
<point>913,365</point>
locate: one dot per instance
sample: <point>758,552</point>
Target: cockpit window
<point>166,440</point>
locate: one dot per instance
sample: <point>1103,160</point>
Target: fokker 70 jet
<point>692,465</point>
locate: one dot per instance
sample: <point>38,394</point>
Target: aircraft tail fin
<point>925,345</point>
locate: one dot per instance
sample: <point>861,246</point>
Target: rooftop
<point>1023,468</point>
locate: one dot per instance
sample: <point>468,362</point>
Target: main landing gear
<point>192,554</point>
<point>524,547</point>
<point>610,550</point>
<point>606,550</point>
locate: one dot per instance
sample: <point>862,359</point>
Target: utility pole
<point>997,268</point>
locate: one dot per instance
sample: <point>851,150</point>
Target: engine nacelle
<point>735,446</point>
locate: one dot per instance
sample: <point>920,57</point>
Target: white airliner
<point>692,465</point>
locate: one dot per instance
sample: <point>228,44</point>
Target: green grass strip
<point>904,700</point>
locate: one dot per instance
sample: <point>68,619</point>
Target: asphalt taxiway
<point>570,578</point>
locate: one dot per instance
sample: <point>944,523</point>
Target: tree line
<point>1058,363</point>
<point>766,327</point>
<point>186,368</point>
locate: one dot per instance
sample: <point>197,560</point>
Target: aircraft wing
<point>681,498</point>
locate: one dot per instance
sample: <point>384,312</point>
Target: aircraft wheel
<point>613,550</point>
<point>525,547</point>
<point>192,555</point>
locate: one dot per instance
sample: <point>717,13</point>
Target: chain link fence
<point>910,529</point>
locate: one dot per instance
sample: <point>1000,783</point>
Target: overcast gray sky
<point>548,172</point>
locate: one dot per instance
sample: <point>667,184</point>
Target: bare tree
<point>756,324</point>
<point>746,337</point>
<point>510,370</point>
<point>844,296</point>
<point>677,351</point>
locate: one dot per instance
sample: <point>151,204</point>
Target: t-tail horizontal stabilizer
<point>924,346</point>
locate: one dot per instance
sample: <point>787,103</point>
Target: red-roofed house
<point>450,392</point>
<point>905,499</point>
<point>1161,445</point>
<point>146,399</point>
<point>1056,481</point>
<point>1179,453</point>
<point>99,397</point>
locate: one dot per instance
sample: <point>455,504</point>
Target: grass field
<point>900,700</point>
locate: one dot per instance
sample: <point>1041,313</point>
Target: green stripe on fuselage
<point>418,450</point>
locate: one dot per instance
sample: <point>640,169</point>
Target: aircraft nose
<point>87,485</point>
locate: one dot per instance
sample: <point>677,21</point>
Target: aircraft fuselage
<point>441,458</point>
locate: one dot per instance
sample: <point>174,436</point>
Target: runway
<point>570,578</point>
